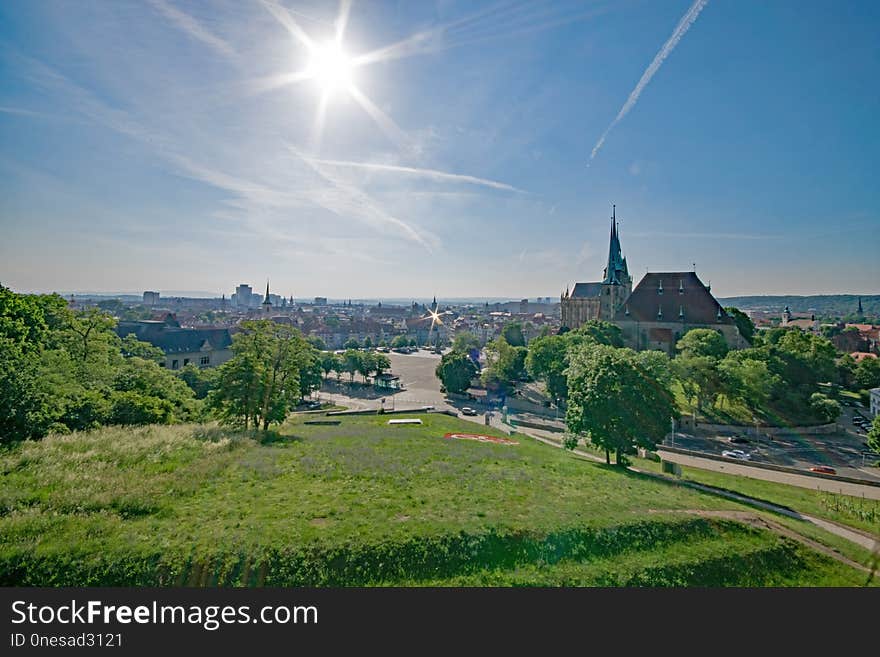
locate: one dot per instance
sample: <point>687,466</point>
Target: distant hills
<point>834,305</point>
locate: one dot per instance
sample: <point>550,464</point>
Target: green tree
<point>261,382</point>
<point>743,322</point>
<point>399,341</point>
<point>505,364</point>
<point>368,342</point>
<point>89,331</point>
<point>311,370</point>
<point>455,371</point>
<point>703,342</point>
<point>329,363</point>
<point>600,332</point>
<point>317,342</point>
<point>512,332</point>
<point>365,362</point>
<point>874,435</point>
<point>351,361</point>
<point>200,380</point>
<point>825,409</point>
<point>25,402</point>
<point>655,366</point>
<point>352,343</point>
<point>131,346</point>
<point>546,361</point>
<point>465,341</point>
<point>867,374</point>
<point>846,371</point>
<point>699,378</point>
<point>132,407</point>
<point>614,401</point>
<point>809,359</point>
<point>747,378</point>
<point>380,363</point>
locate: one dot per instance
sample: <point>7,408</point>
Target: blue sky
<point>162,145</point>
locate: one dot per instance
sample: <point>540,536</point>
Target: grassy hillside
<point>363,504</point>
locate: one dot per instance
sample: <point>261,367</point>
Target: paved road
<point>803,481</point>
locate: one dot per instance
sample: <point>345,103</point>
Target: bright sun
<point>330,67</point>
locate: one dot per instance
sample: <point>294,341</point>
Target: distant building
<point>661,309</point>
<point>151,298</point>
<point>267,302</point>
<point>666,305</point>
<point>206,347</point>
<point>320,301</point>
<point>875,402</point>
<point>242,298</point>
<point>599,300</point>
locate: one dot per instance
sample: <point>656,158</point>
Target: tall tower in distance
<point>267,304</point>
<point>616,282</point>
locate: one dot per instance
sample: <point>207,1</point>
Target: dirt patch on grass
<point>760,522</point>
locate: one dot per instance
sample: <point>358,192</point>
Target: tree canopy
<point>455,370</point>
<point>614,401</point>
<point>262,381</point>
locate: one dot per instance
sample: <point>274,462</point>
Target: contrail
<point>191,26</point>
<point>683,26</point>
<point>423,173</point>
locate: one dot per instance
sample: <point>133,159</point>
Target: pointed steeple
<point>267,304</point>
<point>616,271</point>
<point>860,311</point>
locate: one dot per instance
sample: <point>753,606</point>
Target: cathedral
<point>662,308</point>
<point>599,300</point>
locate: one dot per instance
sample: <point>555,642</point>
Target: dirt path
<point>760,522</point>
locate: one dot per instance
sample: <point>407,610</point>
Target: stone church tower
<point>603,299</point>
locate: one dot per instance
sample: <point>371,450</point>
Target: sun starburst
<point>332,68</point>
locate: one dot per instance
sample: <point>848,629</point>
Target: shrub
<point>132,407</point>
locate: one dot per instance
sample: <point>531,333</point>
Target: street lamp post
<point>672,433</point>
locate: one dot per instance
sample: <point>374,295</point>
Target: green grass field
<point>363,503</point>
<point>855,512</point>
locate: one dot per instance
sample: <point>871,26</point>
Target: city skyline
<point>437,148</point>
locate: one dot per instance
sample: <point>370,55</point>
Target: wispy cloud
<point>432,174</point>
<point>192,27</point>
<point>683,26</point>
<point>714,236</point>
<point>19,111</point>
<point>502,20</point>
<point>314,185</point>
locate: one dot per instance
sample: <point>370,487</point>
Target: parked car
<point>467,410</point>
<point>824,469</point>
<point>738,439</point>
<point>737,454</point>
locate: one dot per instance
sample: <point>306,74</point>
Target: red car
<point>824,469</point>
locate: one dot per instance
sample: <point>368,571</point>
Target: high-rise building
<point>242,297</point>
<point>151,298</point>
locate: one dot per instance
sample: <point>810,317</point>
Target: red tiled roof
<point>684,299</point>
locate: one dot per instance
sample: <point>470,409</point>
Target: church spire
<point>616,271</point>
<point>267,304</point>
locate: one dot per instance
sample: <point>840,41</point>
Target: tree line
<point>63,370</point>
<point>618,398</point>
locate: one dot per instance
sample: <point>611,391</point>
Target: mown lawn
<point>361,503</point>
